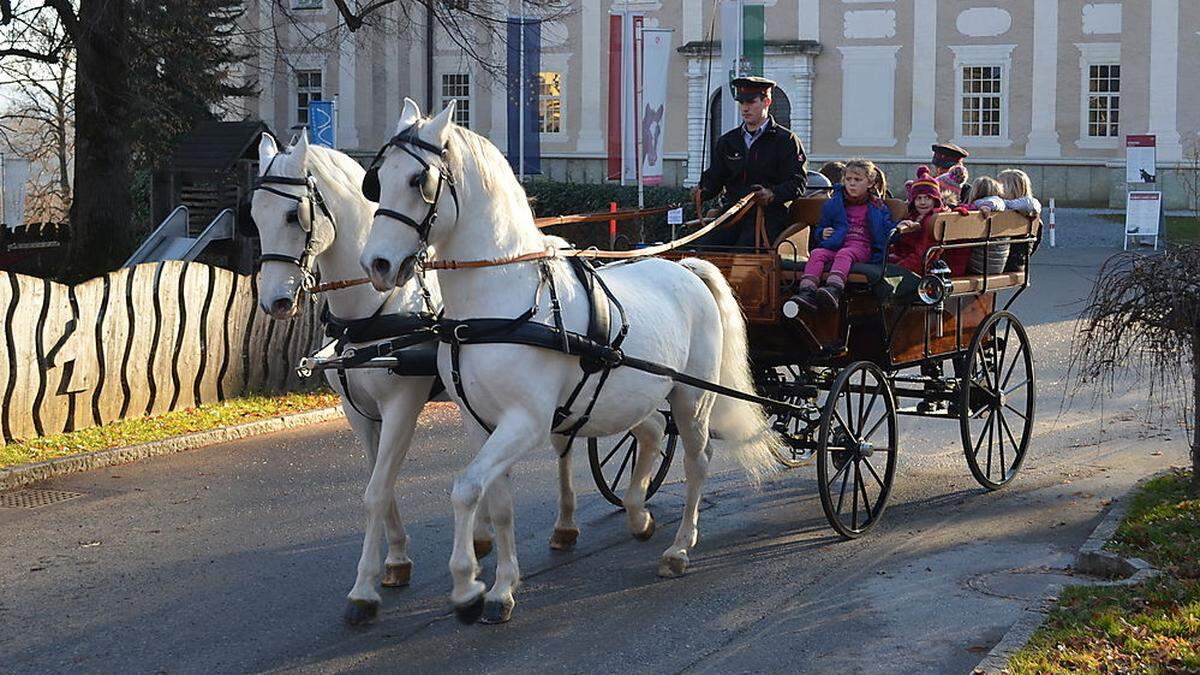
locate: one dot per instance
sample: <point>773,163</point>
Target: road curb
<point>23,475</point>
<point>1091,560</point>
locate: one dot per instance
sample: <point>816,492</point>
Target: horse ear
<point>266,150</point>
<point>409,116</point>
<point>300,149</point>
<point>438,125</point>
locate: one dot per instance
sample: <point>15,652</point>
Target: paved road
<point>237,557</point>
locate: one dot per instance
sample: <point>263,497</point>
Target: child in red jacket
<point>924,204</point>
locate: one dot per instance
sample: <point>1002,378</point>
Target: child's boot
<point>829,295</point>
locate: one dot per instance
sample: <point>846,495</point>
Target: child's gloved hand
<point>827,233</point>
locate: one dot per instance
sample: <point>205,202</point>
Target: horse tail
<point>741,425</point>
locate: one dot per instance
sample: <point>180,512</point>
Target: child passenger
<point>1018,196</point>
<point>986,196</point>
<point>854,228</point>
<point>925,201</point>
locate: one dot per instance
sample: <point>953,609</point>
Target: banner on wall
<point>656,54</point>
<point>321,127</point>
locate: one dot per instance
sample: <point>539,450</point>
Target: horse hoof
<point>482,548</point>
<point>470,612</point>
<point>497,611</point>
<point>645,534</point>
<point>395,576</point>
<point>359,612</point>
<point>563,539</point>
<point>669,568</point>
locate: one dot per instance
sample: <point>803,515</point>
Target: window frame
<point>308,5</point>
<point>297,90</point>
<point>983,56</point>
<point>1095,54</point>
<point>561,96</point>
<point>469,97</point>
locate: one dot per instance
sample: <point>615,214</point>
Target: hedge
<point>549,198</point>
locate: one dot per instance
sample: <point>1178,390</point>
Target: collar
<point>761,130</point>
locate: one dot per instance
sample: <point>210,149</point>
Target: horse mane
<point>492,168</point>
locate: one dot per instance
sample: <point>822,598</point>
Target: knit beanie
<point>954,179</point>
<point>925,184</point>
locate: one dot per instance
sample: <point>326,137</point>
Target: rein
<point>733,213</point>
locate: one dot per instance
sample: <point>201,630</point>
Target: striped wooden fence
<point>139,341</point>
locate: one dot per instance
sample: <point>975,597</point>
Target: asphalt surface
<point>237,557</point>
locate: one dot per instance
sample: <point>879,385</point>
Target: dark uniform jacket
<point>775,161</point>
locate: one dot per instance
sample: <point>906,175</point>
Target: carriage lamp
<point>791,308</point>
<point>935,286</point>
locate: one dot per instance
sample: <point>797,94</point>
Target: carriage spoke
<point>986,425</point>
<point>862,394</point>
<point>854,514</point>
<point>842,491</point>
<point>843,425</point>
<point>1016,447</point>
<point>867,415</point>
<point>1004,348</point>
<point>991,442</point>
<point>836,474</point>
<point>1016,412</point>
<point>612,452</point>
<point>1016,386</point>
<point>624,463</point>
<point>1012,366</point>
<point>882,418</point>
<point>874,475</point>
<point>863,484</point>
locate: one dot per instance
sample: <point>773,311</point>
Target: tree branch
<point>30,54</point>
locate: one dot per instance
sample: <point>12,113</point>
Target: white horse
<point>683,316</point>
<point>382,409</point>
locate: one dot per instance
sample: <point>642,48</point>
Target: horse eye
<point>415,180</point>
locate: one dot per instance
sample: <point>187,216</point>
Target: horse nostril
<point>281,305</point>
<point>381,267</point>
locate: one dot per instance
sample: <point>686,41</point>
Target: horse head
<point>294,225</point>
<point>418,202</point>
<point>651,130</point>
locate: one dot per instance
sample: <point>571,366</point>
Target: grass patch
<point>1151,627</point>
<point>176,423</point>
<point>1178,228</point>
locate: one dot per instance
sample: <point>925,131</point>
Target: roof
<point>216,146</point>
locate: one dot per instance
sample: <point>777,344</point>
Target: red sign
<point>1144,141</point>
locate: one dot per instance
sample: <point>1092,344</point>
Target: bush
<point>549,198</point>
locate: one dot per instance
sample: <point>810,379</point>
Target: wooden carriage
<point>891,338</point>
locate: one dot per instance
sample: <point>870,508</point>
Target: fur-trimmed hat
<point>924,184</point>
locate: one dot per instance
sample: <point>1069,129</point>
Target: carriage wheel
<point>997,400</point>
<point>857,448</point>
<point>612,471</point>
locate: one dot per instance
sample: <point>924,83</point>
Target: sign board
<point>1140,159</point>
<point>1143,212</point>
<point>321,127</point>
<point>675,216</point>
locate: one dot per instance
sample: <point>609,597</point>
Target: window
<point>1104,100</point>
<point>982,101</point>
<point>457,87</point>
<point>981,80</point>
<point>549,102</point>
<point>308,89</point>
<point>462,5</point>
<point>307,4</point>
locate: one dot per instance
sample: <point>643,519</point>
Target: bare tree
<point>471,25</point>
<point>1142,321</point>
<point>37,123</point>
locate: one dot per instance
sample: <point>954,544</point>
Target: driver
<point>759,157</point>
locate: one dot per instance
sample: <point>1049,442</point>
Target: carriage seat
<point>949,228</point>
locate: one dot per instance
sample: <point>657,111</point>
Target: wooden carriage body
<point>893,333</point>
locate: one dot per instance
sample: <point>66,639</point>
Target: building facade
<point>1051,86</point>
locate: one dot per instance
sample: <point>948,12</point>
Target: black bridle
<point>430,181</point>
<point>303,215</point>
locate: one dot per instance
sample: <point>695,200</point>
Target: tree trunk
<point>101,209</point>
<point>1196,410</point>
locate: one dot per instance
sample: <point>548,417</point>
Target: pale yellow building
<point>1050,86</point>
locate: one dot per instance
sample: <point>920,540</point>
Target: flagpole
<point>639,64</point>
<point>521,95</point>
